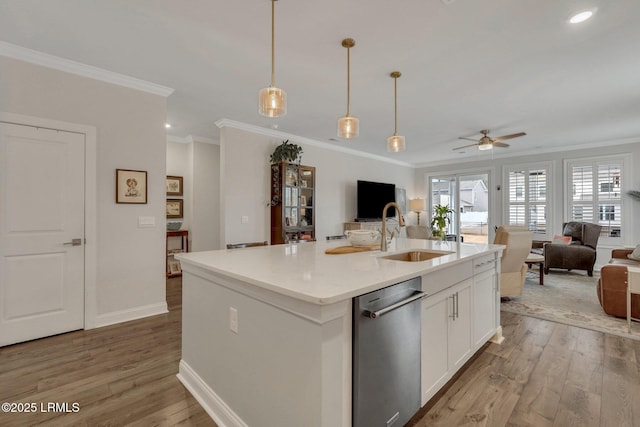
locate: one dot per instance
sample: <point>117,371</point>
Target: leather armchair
<point>612,285</point>
<point>580,254</point>
<point>513,269</point>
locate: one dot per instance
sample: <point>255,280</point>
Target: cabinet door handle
<point>453,307</point>
<point>457,306</point>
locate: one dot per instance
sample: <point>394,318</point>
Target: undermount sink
<point>416,255</point>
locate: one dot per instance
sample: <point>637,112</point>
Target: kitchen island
<point>267,331</point>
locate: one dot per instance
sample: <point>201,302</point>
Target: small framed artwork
<point>174,267</point>
<point>131,186</point>
<point>303,200</point>
<point>174,208</point>
<point>174,186</point>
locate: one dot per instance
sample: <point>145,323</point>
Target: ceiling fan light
<point>395,144</point>
<point>272,102</point>
<point>348,127</point>
<point>486,146</point>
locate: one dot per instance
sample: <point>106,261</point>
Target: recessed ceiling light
<point>581,17</point>
<point>167,125</point>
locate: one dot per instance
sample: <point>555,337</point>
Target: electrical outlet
<point>233,319</point>
<point>244,219</point>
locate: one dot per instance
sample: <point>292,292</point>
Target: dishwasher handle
<point>375,314</point>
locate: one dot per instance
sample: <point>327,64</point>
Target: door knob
<point>73,242</point>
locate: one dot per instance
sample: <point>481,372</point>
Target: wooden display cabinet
<point>292,203</point>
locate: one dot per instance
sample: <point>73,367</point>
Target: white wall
<point>245,179</point>
<point>130,278</point>
<point>631,234</point>
<point>199,165</point>
<point>179,163</point>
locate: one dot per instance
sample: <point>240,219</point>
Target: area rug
<point>567,297</point>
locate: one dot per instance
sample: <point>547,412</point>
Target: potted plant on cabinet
<point>286,152</point>
<point>440,220</point>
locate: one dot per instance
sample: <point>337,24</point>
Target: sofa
<point>612,285</point>
<point>580,254</point>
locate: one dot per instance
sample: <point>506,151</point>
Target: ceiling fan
<point>487,143</point>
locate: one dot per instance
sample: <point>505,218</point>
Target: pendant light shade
<point>396,142</point>
<point>348,126</point>
<point>272,100</point>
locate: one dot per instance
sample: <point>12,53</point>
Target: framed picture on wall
<point>131,186</point>
<point>174,186</point>
<point>174,208</point>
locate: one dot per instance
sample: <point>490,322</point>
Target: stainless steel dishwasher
<point>386,355</point>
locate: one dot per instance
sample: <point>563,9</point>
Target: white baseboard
<point>207,398</point>
<point>129,314</point>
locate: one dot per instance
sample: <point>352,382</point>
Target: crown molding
<point>191,138</point>
<point>77,68</point>
<point>302,140</point>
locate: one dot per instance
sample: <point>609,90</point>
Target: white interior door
<point>41,232</point>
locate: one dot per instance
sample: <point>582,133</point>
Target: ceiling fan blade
<point>466,146</point>
<point>505,137</point>
<point>468,139</point>
<point>500,144</point>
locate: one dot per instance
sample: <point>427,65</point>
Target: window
<point>596,196</point>
<point>527,192</point>
<point>607,213</point>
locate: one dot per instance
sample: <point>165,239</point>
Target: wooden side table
<point>184,247</point>
<point>536,259</point>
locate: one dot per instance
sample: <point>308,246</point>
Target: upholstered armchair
<point>580,254</point>
<point>513,269</point>
<point>420,232</point>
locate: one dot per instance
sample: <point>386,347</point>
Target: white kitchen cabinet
<point>446,335</point>
<point>485,300</point>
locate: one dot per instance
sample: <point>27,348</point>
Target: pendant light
<point>348,127</point>
<point>272,100</point>
<point>395,143</point>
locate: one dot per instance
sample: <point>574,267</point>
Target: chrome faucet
<point>383,238</point>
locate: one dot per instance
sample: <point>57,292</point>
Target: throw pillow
<point>563,240</point>
<point>635,255</point>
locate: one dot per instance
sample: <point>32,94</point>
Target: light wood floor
<point>545,374</point>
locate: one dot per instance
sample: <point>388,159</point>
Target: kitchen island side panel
<point>280,369</point>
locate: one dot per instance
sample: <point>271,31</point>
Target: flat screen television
<point>371,199</point>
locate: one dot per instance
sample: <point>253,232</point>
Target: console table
<point>184,247</point>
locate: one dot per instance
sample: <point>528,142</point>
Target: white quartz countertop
<point>303,270</point>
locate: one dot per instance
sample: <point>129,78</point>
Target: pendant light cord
<point>273,42</point>
<point>348,80</point>
<point>395,105</point>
